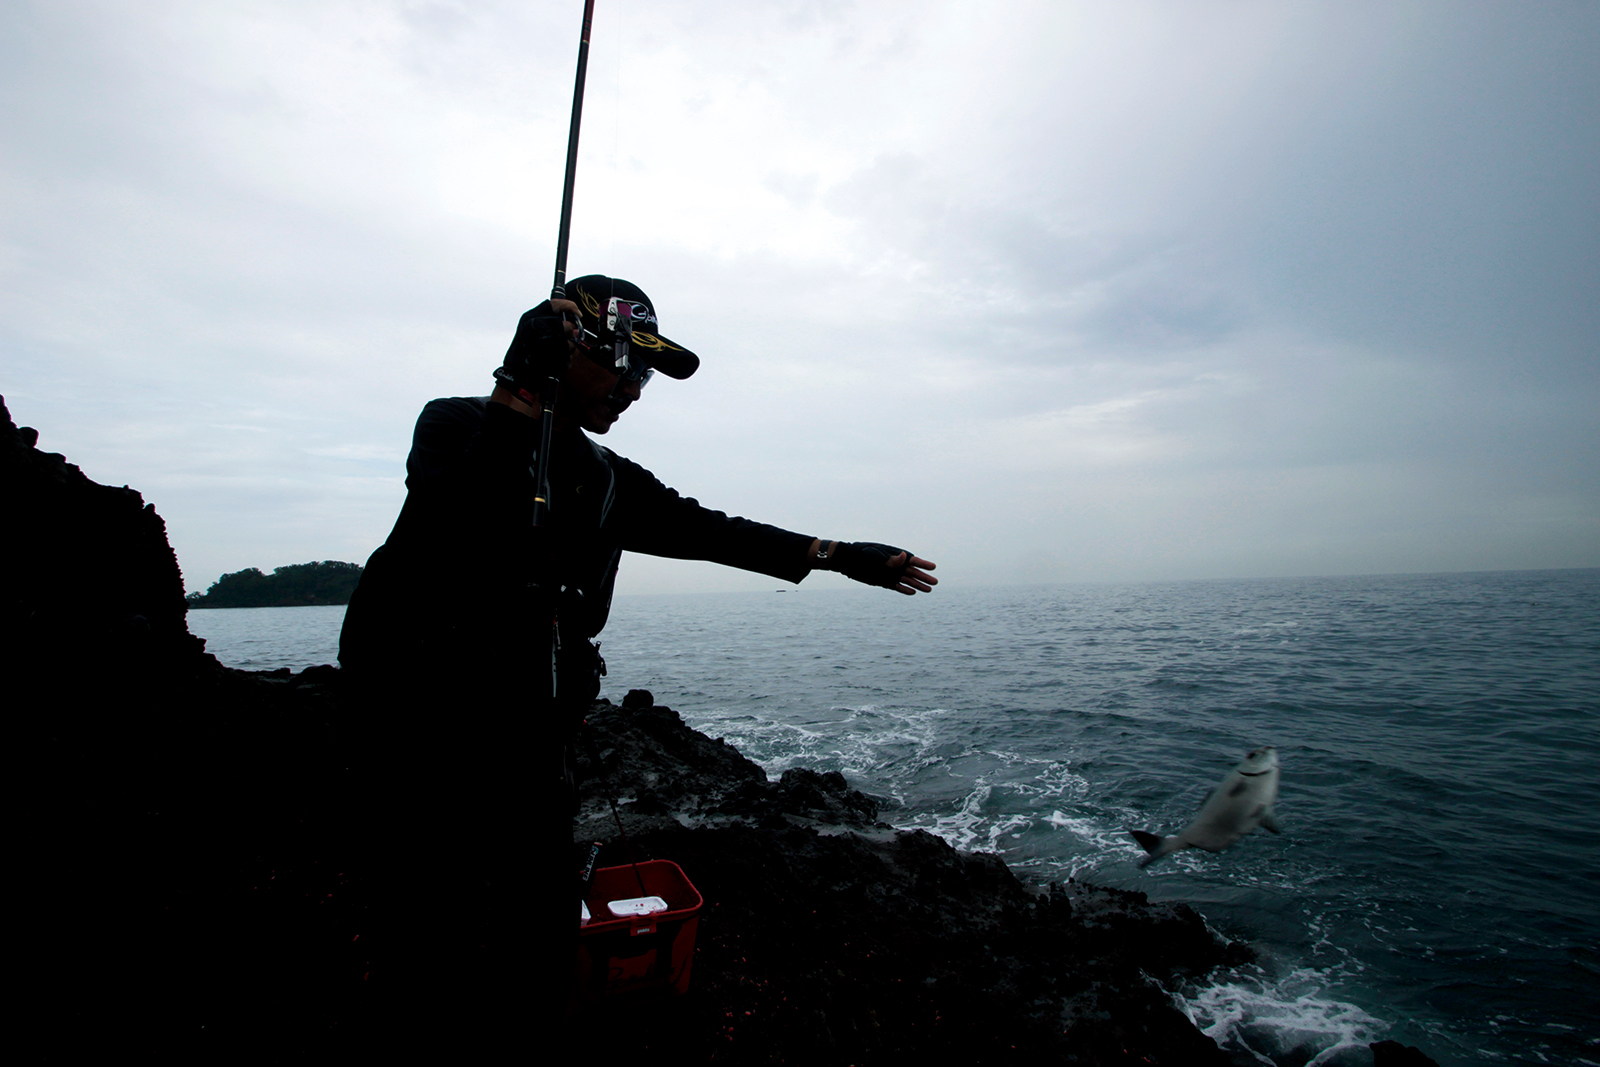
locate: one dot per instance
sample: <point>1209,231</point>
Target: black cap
<point>593,292</point>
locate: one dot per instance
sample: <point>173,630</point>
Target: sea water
<point>1436,880</point>
<point>268,639</point>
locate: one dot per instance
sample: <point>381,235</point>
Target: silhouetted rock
<point>90,581</point>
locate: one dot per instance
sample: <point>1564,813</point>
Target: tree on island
<point>292,586</point>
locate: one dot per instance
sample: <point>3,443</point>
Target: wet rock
<point>830,937</point>
<point>656,766</point>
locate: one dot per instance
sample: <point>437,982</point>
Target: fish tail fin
<point>1149,842</point>
<point>1154,844</point>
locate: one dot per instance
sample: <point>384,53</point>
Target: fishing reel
<point>612,347</point>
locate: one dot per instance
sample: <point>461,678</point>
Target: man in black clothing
<point>444,590</point>
<point>441,632</point>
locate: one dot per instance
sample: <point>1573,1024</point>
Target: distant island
<point>293,586</point>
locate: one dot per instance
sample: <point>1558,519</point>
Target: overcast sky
<point>1046,292</point>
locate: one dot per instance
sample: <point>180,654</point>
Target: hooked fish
<point>1241,803</point>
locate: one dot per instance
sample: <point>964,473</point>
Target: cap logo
<point>640,312</point>
<point>591,306</point>
<point>654,343</point>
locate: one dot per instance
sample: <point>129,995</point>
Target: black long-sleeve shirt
<point>447,589</point>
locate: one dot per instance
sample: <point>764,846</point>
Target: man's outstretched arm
<point>652,518</point>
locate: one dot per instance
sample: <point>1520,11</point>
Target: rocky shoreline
<point>196,886</point>
<point>829,937</point>
<point>228,914</point>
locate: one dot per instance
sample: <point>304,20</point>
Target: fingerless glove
<point>867,562</point>
<point>538,351</point>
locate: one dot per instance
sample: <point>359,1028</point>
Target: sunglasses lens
<point>633,370</point>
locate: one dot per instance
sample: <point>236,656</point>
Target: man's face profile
<point>587,393</point>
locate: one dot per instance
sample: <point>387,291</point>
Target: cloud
<point>1136,290</point>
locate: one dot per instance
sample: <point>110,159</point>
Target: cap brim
<point>670,359</point>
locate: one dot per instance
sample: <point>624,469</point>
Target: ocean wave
<point>1289,1019</point>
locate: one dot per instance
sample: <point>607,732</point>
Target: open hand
<point>916,578</point>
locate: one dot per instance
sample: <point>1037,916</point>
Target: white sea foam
<point>1275,1019</point>
<point>988,818</point>
<point>964,829</point>
<point>862,742</point>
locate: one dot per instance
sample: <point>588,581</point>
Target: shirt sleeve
<point>464,529</point>
<point>652,518</point>
<point>463,442</point>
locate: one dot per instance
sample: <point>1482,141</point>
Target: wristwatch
<point>822,551</point>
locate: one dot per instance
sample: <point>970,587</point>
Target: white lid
<point>637,906</point>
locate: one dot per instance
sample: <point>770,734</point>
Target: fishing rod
<point>547,404</point>
<point>545,669</point>
<point>558,289</point>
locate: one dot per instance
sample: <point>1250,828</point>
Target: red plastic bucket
<point>641,953</point>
